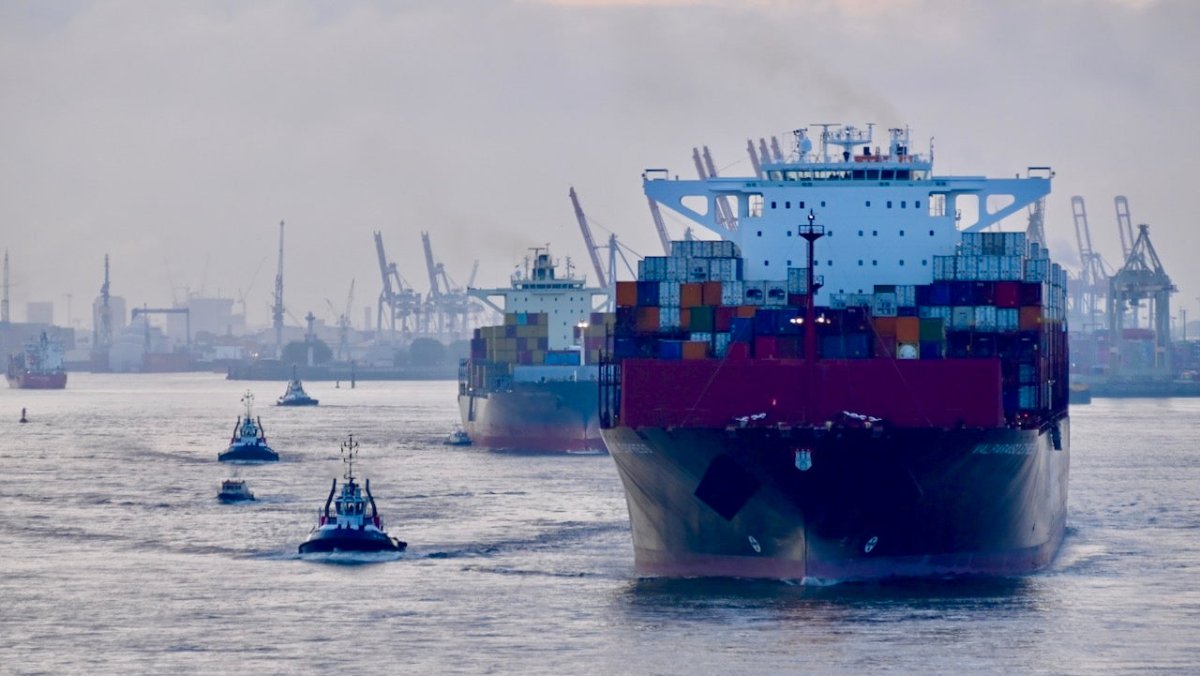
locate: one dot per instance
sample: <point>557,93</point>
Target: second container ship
<point>530,383</point>
<point>856,382</point>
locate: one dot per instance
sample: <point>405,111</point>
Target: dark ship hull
<point>297,402</point>
<point>325,540</point>
<point>248,453</point>
<point>549,416</point>
<point>843,504</point>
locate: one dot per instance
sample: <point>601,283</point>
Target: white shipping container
<point>962,317</point>
<point>753,293</point>
<point>943,267</point>
<point>934,312</point>
<point>668,293</point>
<point>985,317</point>
<point>906,295</point>
<point>732,293</point>
<point>884,305</point>
<point>1007,319</point>
<point>668,317</point>
<point>722,344</point>
<point>776,292</point>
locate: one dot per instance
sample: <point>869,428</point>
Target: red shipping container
<point>885,326</point>
<point>1008,294</point>
<point>691,294</point>
<point>1030,318</point>
<point>908,330</point>
<point>647,320</point>
<point>710,293</point>
<point>765,347</point>
<point>738,350</point>
<point>626,294</point>
<point>723,319</point>
<point>745,311</point>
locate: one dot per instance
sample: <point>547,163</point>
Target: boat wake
<point>351,558</point>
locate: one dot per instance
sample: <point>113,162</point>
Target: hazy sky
<point>176,136</point>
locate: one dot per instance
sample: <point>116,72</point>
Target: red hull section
<point>906,393</point>
<point>38,381</point>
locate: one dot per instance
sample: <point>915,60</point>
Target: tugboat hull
<point>297,402</point>
<point>246,453</point>
<point>325,540</point>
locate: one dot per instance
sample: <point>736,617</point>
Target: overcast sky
<point>176,136</point>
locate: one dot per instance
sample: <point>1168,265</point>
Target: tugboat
<point>235,490</point>
<point>458,437</point>
<point>249,442</point>
<point>350,528</point>
<point>295,394</point>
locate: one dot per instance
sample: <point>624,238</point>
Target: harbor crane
<point>1142,277</point>
<point>277,309</point>
<point>706,170</point>
<point>344,325</point>
<point>588,241</point>
<point>1093,277</point>
<point>1124,225</point>
<point>448,308</point>
<point>400,299</point>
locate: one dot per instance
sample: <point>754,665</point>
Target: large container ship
<point>855,382</point>
<point>530,383</point>
<point>38,367</point>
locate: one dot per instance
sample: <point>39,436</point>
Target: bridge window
<point>887,174</point>
<point>787,205</point>
<point>903,204</point>
<point>872,174</point>
<point>903,175</point>
<point>754,204</point>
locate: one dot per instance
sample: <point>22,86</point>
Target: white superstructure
<point>885,214</point>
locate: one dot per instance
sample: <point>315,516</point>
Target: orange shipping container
<point>711,293</point>
<point>695,349</point>
<point>647,320</point>
<point>908,329</point>
<point>885,327</point>
<point>685,318</point>
<point>626,294</point>
<point>745,311</point>
<point>1031,318</point>
<point>691,295</point>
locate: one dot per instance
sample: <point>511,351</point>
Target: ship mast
<point>811,233</point>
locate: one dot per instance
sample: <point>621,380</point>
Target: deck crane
<point>593,250</point>
<point>400,299</point>
<point>277,309</point>
<point>1142,277</point>
<point>1093,278</point>
<point>1124,225</point>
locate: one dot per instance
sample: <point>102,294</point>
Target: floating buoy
<point>23,418</point>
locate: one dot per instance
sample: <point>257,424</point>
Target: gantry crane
<point>1124,226</point>
<point>448,308</point>
<point>1141,278</point>
<point>1093,277</point>
<point>588,241</point>
<point>344,325</point>
<point>400,299</point>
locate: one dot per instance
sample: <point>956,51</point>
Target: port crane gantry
<point>400,299</point>
<point>1141,278</point>
<point>277,309</point>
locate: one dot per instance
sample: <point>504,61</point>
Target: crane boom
<point>1124,225</point>
<point>723,207</point>
<point>754,158</point>
<point>434,290</point>
<point>277,309</point>
<point>587,238</point>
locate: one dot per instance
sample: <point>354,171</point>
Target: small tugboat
<point>234,490</point>
<point>350,528</point>
<point>249,442</point>
<point>295,394</point>
<point>458,437</point>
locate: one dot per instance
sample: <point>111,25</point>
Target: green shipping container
<point>702,319</point>
<point>933,329</point>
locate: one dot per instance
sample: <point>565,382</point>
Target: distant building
<point>118,316</point>
<point>39,312</point>
<point>207,315</point>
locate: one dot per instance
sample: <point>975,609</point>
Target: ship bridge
<point>885,213</point>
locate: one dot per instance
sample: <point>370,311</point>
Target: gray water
<point>115,555</point>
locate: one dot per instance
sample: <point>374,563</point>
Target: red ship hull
<point>37,381</point>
